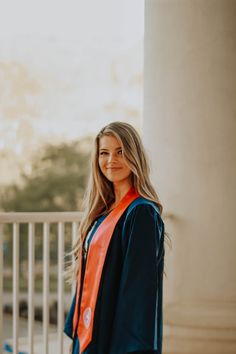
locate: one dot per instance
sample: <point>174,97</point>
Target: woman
<point>117,308</point>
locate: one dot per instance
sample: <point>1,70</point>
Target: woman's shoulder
<point>142,205</point>
<point>142,216</point>
<point>143,211</point>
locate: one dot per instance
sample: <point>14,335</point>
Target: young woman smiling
<point>117,307</point>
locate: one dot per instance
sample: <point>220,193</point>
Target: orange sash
<point>93,271</point>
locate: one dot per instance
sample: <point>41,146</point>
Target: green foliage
<point>56,183</point>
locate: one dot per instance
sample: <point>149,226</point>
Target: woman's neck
<point>120,190</point>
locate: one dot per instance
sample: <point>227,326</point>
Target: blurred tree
<point>56,182</point>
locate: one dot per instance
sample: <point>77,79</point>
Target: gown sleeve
<point>137,326</point>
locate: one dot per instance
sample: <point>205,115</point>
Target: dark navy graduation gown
<point>128,315</point>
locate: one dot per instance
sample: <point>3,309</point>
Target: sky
<point>67,68</point>
<point>111,20</point>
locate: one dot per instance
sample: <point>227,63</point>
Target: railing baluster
<point>1,287</point>
<point>74,237</point>
<point>45,286</point>
<point>60,289</point>
<point>31,242</point>
<point>15,287</point>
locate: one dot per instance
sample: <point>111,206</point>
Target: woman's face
<point>111,160</point>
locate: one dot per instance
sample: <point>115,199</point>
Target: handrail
<point>40,217</point>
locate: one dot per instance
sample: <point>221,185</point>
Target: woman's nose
<point>110,157</point>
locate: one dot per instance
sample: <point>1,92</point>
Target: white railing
<point>31,219</point>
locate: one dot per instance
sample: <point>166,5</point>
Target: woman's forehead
<point>109,142</point>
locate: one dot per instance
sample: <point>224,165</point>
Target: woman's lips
<point>113,168</point>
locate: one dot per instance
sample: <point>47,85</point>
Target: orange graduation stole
<point>93,271</point>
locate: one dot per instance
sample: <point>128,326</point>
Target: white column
<point>189,130</point>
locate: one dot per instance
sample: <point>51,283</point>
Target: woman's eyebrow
<point>118,148</point>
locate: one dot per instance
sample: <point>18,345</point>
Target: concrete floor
<point>38,338</point>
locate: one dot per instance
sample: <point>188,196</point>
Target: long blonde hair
<point>99,194</point>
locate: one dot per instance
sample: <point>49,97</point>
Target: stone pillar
<point>189,130</point>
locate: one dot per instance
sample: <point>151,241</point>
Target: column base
<point>200,328</point>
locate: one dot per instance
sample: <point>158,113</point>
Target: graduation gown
<point>128,315</point>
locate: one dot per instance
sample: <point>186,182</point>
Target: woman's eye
<point>120,152</point>
<point>103,153</point>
